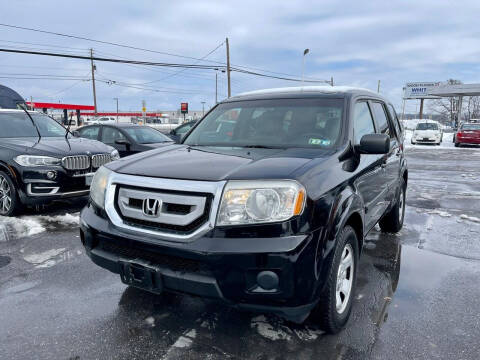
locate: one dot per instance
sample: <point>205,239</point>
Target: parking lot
<point>417,294</point>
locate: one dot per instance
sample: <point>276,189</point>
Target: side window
<point>396,122</point>
<point>362,121</point>
<point>89,132</point>
<point>381,118</point>
<point>183,129</point>
<point>109,135</point>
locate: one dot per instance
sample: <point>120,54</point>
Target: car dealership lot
<point>416,297</point>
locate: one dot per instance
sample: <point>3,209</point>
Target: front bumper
<point>468,140</point>
<point>225,269</point>
<point>35,187</point>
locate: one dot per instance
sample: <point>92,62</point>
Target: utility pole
<point>228,68</point>
<point>216,88</point>
<point>403,107</point>
<point>117,107</point>
<point>420,116</point>
<point>93,81</point>
<point>378,87</point>
<point>331,81</point>
<point>203,108</point>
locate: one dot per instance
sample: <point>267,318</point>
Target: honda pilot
<point>268,216</point>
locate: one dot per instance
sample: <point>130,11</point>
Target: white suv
<point>427,132</point>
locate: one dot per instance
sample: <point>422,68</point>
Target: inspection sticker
<point>313,141</point>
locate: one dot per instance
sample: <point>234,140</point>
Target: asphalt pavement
<point>417,296</point>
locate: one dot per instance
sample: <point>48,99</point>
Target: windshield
<point>271,123</point>
<point>471,127</point>
<point>146,135</point>
<point>20,125</point>
<point>427,126</point>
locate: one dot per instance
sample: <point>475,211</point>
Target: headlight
<point>114,155</point>
<point>99,185</point>
<point>252,202</point>
<point>33,160</point>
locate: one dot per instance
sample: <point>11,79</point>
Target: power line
<point>140,49</point>
<point>99,41</point>
<point>149,63</point>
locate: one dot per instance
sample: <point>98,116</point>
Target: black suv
<point>40,161</point>
<point>270,216</point>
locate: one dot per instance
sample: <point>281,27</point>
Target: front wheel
<point>9,202</point>
<point>335,305</point>
<point>393,220</point>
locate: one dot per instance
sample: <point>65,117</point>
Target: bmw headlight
<point>263,201</point>
<point>34,160</point>
<point>99,186</point>
<point>114,155</point>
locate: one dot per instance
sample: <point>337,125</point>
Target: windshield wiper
<point>33,122</point>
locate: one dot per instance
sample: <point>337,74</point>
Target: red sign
<point>184,108</point>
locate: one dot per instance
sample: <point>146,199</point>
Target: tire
<point>9,202</point>
<point>392,221</point>
<point>332,315</point>
<point>457,144</point>
<point>413,143</point>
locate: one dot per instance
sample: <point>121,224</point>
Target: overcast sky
<point>356,42</point>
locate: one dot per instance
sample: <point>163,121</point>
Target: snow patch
<point>186,340</point>
<point>439,212</point>
<point>470,218</point>
<point>43,257</point>
<point>268,331</point>
<point>31,225</point>
<point>150,321</point>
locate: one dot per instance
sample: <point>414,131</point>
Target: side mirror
<point>374,144</point>
<point>122,142</point>
<point>173,132</point>
<point>76,133</point>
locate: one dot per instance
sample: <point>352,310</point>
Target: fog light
<point>51,175</point>
<point>267,280</point>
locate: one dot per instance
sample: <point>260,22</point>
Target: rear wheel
<point>457,144</point>
<point>9,202</point>
<point>393,220</point>
<point>335,305</point>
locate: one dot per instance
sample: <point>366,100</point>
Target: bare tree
<point>446,107</point>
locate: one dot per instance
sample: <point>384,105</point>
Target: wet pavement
<point>417,296</point>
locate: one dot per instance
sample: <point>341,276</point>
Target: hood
<point>157,145</point>
<point>55,146</point>
<point>214,164</point>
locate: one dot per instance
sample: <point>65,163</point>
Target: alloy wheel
<point>401,206</point>
<point>5,195</point>
<point>344,278</point>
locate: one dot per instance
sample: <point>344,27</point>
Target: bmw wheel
<point>9,203</point>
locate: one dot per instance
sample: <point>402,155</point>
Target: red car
<point>468,134</point>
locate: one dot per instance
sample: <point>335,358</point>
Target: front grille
<point>78,162</point>
<point>177,212</point>
<point>100,159</point>
<point>172,262</point>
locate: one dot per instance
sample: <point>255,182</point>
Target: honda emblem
<point>151,207</point>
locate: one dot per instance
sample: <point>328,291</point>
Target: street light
<point>305,52</point>
<point>117,107</point>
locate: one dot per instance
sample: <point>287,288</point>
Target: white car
<point>427,132</point>
<point>103,120</point>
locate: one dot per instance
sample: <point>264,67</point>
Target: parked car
<point>469,133</point>
<point>41,162</point>
<point>270,218</point>
<point>128,139</point>
<point>180,131</point>
<point>102,120</point>
<point>428,132</point>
